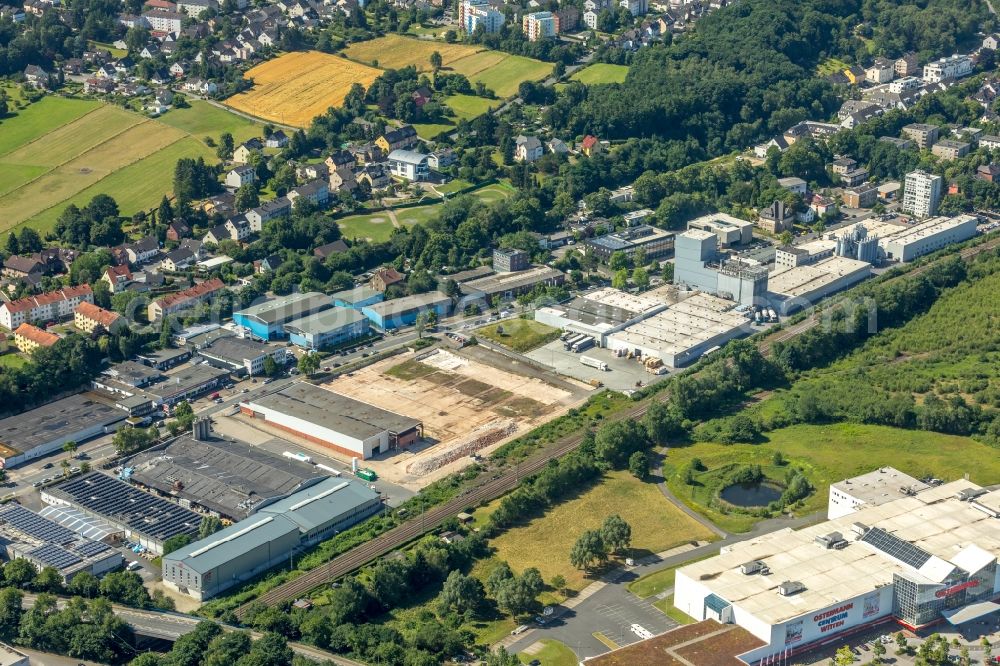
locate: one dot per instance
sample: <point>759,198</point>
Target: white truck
<point>592,362</point>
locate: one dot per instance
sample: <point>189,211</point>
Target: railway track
<point>494,488</point>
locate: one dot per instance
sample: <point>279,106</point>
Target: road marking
<point>607,641</point>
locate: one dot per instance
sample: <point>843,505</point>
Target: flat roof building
<point>44,543</point>
<point>328,328</point>
<point>790,256</point>
<point>599,313</point>
<point>246,549</point>
<point>923,557</point>
<point>403,311</point>
<point>729,230</point>
<point>875,488</point>
<point>242,356</point>
<point>44,430</point>
<point>929,236</point>
<point>684,331</point>
<point>506,286</point>
<point>334,421</point>
<point>219,475</point>
<point>187,382</point>
<point>358,297</point>
<point>656,243</point>
<point>266,320</point>
<point>791,289</point>
<point>144,518</point>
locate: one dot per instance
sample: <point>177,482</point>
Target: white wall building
<point>952,67</point>
<point>409,165</point>
<point>929,236</point>
<point>872,489</point>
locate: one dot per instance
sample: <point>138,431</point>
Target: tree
<point>12,247</point>
<point>436,61</point>
<point>620,279</point>
<point>227,648</point>
<point>660,423</point>
<point>616,534</point>
<point>10,612</point>
<point>901,643</point>
<point>516,596</point>
<point>616,441</point>
<point>308,363</point>
<point>247,198</point>
<point>129,440</point>
<point>498,576</point>
<point>618,260</point>
<point>638,465</point>
<point>878,649</point>
<point>844,656</point>
<point>558,582</point>
<point>640,277</point>
<point>786,237</point>
<point>420,324</point>
<point>29,241</point>
<point>209,526</point>
<point>19,572</point>
<point>184,414</point>
<point>69,447</point>
<point>226,146</point>
<point>176,542</point>
<point>48,580</point>
<point>460,593</point>
<point>84,584</point>
<point>125,587</point>
<point>588,550</point>
<point>270,367</point>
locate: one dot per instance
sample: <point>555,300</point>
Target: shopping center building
<point>920,555</point>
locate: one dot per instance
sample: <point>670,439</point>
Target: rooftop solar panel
<point>90,548</point>
<point>54,556</point>
<point>35,526</point>
<point>896,548</point>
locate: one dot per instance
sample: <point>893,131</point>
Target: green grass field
<point>467,107</point>
<point>657,582</point>
<point>545,542</point>
<point>831,66</point>
<point>829,453</point>
<point>12,360</point>
<point>520,335</point>
<point>552,653</point>
<point>504,77</point>
<point>600,72</point>
<point>60,151</point>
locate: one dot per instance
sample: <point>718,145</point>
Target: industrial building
<point>856,243</point>
<point>399,312</point>
<point>699,265</point>
<point>510,260</point>
<point>44,543</point>
<point>875,488</point>
<point>599,313</point>
<point>270,537</point>
<point>43,430</point>
<point>358,297</point>
<point>926,555</point>
<point>655,243</point>
<point>143,518</point>
<point>929,236</point>
<point>507,286</point>
<point>334,421</point>
<point>793,288</point>
<point>219,475</point>
<point>328,328</point>
<point>790,256</point>
<point>185,383</point>
<point>266,320</point>
<point>728,229</point>
<point>241,356</point>
<point>684,331</point>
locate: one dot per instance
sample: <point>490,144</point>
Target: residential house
<point>181,258</point>
<point>240,176</point>
<point>881,71</point>
<point>52,305</point>
<point>375,177</point>
<point>397,139</point>
<point>862,196</point>
<point>991,41</point>
<point>949,149</point>
<point>243,152</point>
<point>441,159</point>
<point>988,172</point>
<point>558,146</point>
<point>760,150</point>
<point>117,278</point>
<point>952,67</point>
<point>907,65</point>
<point>178,69</point>
<point>177,230</point>
<point>822,205</point>
<point>540,25</point>
<point>843,165</point>
<point>150,51</point>
<point>14,14</point>
<point>318,192</point>
<point>923,134</point>
<point>793,184</point>
<point>590,19</point>
<point>776,218</point>
<point>36,77</point>
<point>268,264</point>
<point>183,300</point>
<point>142,250</point>
<point>196,8</point>
<point>307,172</point>
<point>409,165</point>
<point>336,247</point>
<point>368,153</point>
<point>161,21</point>
<point>527,149</point>
<point>854,177</point>
<point>569,18</point>
<point>278,139</point>
<point>29,338</point>
<point>20,268</point>
<point>88,318</point>
<point>383,278</point>
<point>855,74</point>
<point>269,210</point>
<point>590,145</point>
<point>421,95</point>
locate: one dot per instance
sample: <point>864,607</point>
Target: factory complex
<point>334,421</point>
<point>268,538</point>
<point>899,551</point>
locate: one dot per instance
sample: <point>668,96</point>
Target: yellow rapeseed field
<point>396,51</point>
<point>296,87</point>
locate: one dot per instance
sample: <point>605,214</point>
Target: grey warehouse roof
<point>327,320</point>
<point>119,502</point>
<point>230,477</point>
<point>335,411</point>
<point>286,307</point>
<point>61,419</point>
<point>359,293</point>
<point>407,303</point>
<point>322,503</point>
<point>235,349</point>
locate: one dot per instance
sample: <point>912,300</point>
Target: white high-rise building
<point>921,193</point>
<point>540,25</point>
<point>475,13</point>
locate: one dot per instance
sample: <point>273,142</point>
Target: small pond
<point>751,494</point>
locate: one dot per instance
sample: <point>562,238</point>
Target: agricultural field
<point>378,226</point>
<point>464,107</point>
<point>296,87</point>
<point>545,542</point>
<point>600,73</point>
<point>520,335</point>
<point>826,454</point>
<point>60,151</point>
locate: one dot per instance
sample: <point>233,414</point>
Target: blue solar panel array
<point>90,548</point>
<point>54,556</point>
<point>35,526</point>
<point>894,547</point>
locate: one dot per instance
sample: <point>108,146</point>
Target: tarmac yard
<point>460,396</point>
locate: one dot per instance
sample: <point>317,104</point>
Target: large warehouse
<point>245,549</point>
<point>144,518</point>
<point>219,476</point>
<point>45,429</point>
<point>929,236</point>
<point>684,331</point>
<point>45,543</point>
<point>266,321</point>
<point>334,421</point>
<point>802,286</point>
<point>599,313</point>
<point>926,556</point>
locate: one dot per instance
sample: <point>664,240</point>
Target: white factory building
<point>928,236</point>
<point>599,313</point>
<point>921,557</point>
<point>791,289</point>
<point>728,229</point>
<point>684,331</point>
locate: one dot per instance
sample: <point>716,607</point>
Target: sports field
<point>296,87</point>
<point>60,151</point>
<point>600,73</point>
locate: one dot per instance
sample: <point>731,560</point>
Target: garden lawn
<point>493,193</point>
<point>376,226</point>
<point>504,77</point>
<point>40,118</point>
<point>430,131</point>
<point>545,542</point>
<point>12,360</point>
<point>600,72</point>
<point>203,119</point>
<point>829,453</point>
<point>552,653</point>
<point>467,107</point>
<point>520,335</point>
